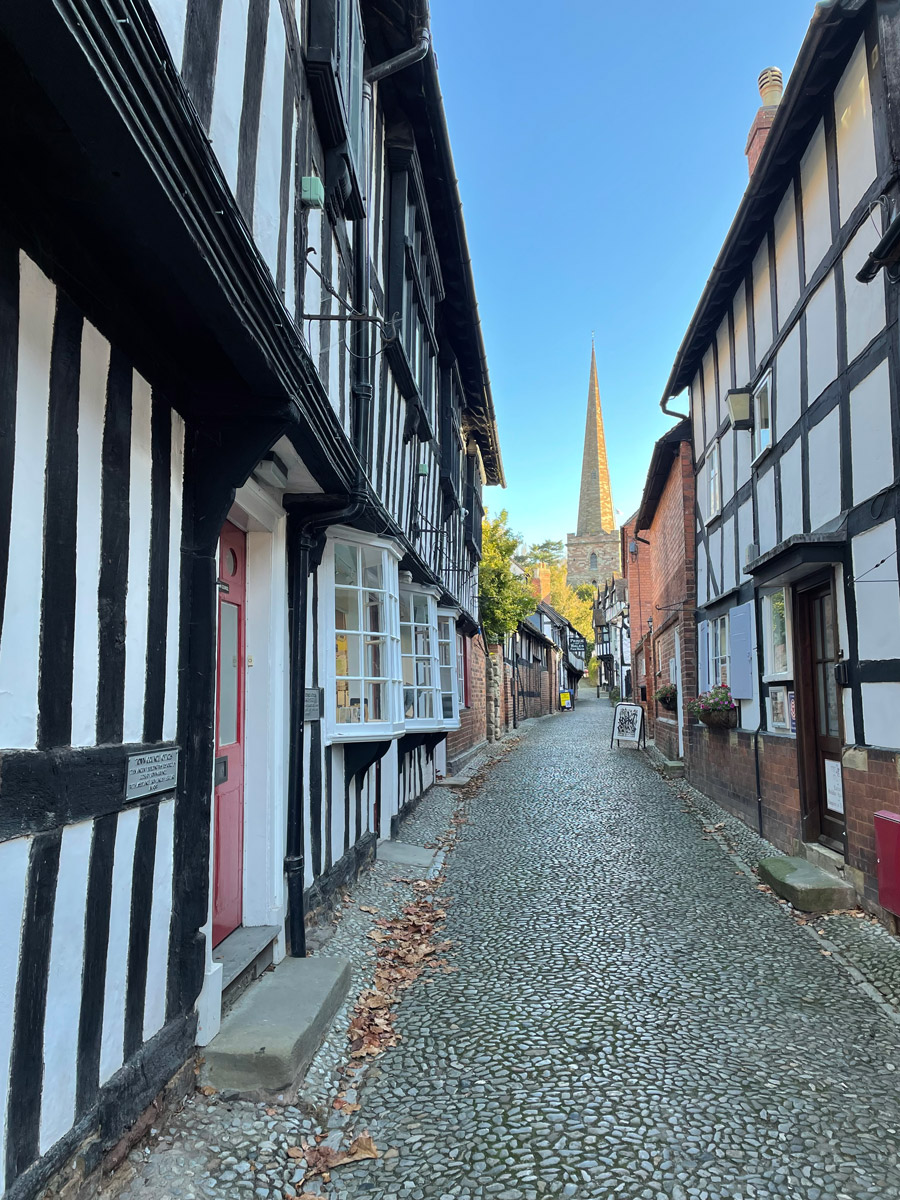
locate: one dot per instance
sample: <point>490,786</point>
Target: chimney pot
<point>771,86</point>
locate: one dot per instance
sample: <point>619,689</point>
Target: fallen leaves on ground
<point>367,908</point>
<point>320,1160</point>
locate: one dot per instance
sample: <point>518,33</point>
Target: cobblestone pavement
<point>631,1016</point>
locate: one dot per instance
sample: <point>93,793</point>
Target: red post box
<point>887,850</point>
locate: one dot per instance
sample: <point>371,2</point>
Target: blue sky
<point>600,153</point>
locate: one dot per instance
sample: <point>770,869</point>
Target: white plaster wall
<point>741,343</point>
<point>787,383</point>
<point>710,406</point>
<point>173,612</point>
<point>86,653</point>
<point>855,133</point>
<point>160,918</point>
<point>787,263</point>
<point>791,492</point>
<point>697,416</point>
<point>112,1044</point>
<point>877,593</point>
<point>723,356</point>
<point>63,1009</point>
<point>312,330</point>
<point>871,442</point>
<point>267,198</point>
<point>137,598</point>
<point>289,272</point>
<point>816,206</point>
<point>821,339</point>
<point>881,714</point>
<point>744,534</point>
<point>824,470</point>
<point>726,451</point>
<point>702,574</point>
<point>703,491</point>
<point>715,555</point>
<point>13,874</point>
<point>765,491</point>
<point>20,644</point>
<point>743,448</point>
<point>865,301</point>
<point>728,568</point>
<point>228,91</point>
<point>762,302</point>
<point>171,15</point>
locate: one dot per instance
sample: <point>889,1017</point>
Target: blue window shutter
<point>703,655</point>
<point>740,632</point>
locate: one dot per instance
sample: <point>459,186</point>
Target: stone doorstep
<point>824,857</point>
<point>806,886</point>
<point>269,1038</point>
<point>403,854</point>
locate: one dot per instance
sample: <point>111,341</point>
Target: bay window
<point>447,668</point>
<point>418,648</point>
<point>364,640</point>
<point>462,674</point>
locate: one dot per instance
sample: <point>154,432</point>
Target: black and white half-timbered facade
<point>791,362</point>
<point>245,422</point>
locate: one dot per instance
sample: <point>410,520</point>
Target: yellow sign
<point>565,699</point>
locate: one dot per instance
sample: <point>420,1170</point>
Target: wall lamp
<point>739,401</point>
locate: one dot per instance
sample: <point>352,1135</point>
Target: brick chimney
<point>771,88</point>
<point>540,581</point>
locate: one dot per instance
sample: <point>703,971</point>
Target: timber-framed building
<point>245,422</point>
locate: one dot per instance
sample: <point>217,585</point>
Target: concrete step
<point>403,854</point>
<point>270,1036</point>
<point>806,886</point>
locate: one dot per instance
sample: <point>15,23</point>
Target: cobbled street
<point>631,1016</point>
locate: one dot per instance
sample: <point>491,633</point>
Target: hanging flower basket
<point>667,696</point>
<point>720,719</point>
<point>715,708</point>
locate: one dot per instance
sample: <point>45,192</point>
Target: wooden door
<point>228,868</point>
<point>820,727</point>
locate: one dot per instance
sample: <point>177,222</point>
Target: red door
<point>228,872</point>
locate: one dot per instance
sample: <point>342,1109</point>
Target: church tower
<point>593,552</point>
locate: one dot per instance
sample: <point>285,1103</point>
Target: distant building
<point>593,551</point>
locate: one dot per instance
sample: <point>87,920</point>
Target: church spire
<point>595,506</point>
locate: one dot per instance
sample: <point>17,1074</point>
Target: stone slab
<point>806,886</point>
<point>403,854</point>
<point>270,1036</point>
<point>240,948</point>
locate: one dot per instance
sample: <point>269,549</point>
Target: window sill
<point>370,732</point>
<point>778,679</point>
<point>766,450</point>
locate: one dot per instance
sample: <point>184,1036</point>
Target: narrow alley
<point>631,1016</point>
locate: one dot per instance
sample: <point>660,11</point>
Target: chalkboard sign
<point>628,725</point>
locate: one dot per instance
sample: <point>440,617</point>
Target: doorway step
<point>270,1036</point>
<point>824,857</point>
<point>244,955</point>
<point>806,886</point>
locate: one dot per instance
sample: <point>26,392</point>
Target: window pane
<point>228,674</point>
<point>446,679</point>
<point>404,607</point>
<point>423,672</point>
<point>444,654</point>
<point>447,707</point>
<point>346,657</point>
<point>373,604</point>
<point>426,704</point>
<point>372,568</point>
<point>376,658</point>
<point>409,702</point>
<point>346,609</point>
<point>347,701</point>
<point>420,610</point>
<point>375,709</point>
<point>423,640</point>
<point>406,640</point>
<point>345,565</point>
<point>779,633</point>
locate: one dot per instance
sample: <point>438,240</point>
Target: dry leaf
<point>208,1091</point>
<point>294,1152</point>
<point>363,1147</point>
<point>367,908</point>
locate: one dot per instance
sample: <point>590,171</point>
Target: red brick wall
<point>871,783</point>
<point>720,763</point>
<point>472,720</point>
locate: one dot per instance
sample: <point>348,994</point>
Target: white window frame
<point>719,651</point>
<point>361,731</point>
<point>714,480</point>
<point>416,654</point>
<point>447,671</point>
<point>762,445</point>
<point>770,674</point>
<point>461,671</point>
<point>784,725</point>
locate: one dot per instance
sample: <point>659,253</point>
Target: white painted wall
<point>791,492</point>
<point>744,535</point>
<point>171,15</point>
<point>877,594</point>
<point>697,416</point>
<point>765,511</point>
<point>787,383</point>
<point>173,612</point>
<point>743,446</point>
<point>865,301</point>
<point>728,568</point>
<point>816,205</point>
<point>137,597</point>
<point>881,704</point>
<point>741,343</point>
<point>821,339</point>
<point>726,452</point>
<point>91,414</point>
<point>228,90</point>
<point>13,874</point>
<point>762,302</point>
<point>710,406</point>
<point>63,985</point>
<point>267,197</point>
<point>160,918</point>
<point>20,645</point>
<point>824,470</point>
<point>871,441</point>
<point>112,1044</point>
<point>723,356</point>
<point>855,132</point>
<point>715,555</point>
<point>787,262</point>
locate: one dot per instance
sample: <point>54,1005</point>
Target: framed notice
<point>628,725</point>
<point>834,786</point>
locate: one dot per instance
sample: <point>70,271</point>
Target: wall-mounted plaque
<point>156,771</point>
<point>312,704</point>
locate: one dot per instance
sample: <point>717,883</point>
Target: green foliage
<point>717,699</point>
<point>614,696</point>
<point>571,603</point>
<point>548,552</point>
<point>504,599</point>
<point>667,695</point>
